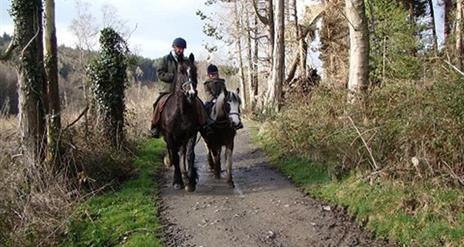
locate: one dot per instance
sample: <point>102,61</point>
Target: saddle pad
<point>159,108</point>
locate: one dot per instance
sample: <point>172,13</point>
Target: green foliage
<point>107,74</point>
<point>421,214</point>
<point>400,122</point>
<point>125,217</point>
<point>393,40</point>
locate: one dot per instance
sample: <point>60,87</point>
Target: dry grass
<point>36,203</point>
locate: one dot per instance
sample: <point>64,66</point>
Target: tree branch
<point>77,119</point>
<point>263,19</point>
<point>9,50</point>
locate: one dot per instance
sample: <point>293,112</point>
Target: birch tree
<point>359,45</point>
<point>274,85</point>
<point>459,50</point>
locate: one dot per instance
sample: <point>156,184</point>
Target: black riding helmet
<point>180,42</point>
<point>212,69</point>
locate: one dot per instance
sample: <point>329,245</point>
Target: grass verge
<point>127,217</point>
<point>414,215</point>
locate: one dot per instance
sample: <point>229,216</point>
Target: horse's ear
<point>192,58</point>
<point>237,91</point>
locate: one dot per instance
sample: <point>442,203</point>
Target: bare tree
<point>85,30</point>
<point>268,21</point>
<point>251,67</point>
<point>274,86</point>
<point>51,70</point>
<point>238,42</point>
<point>359,45</point>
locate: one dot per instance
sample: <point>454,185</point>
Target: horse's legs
<point>210,161</point>
<point>228,158</point>
<point>217,162</point>
<point>177,180</point>
<point>182,161</point>
<point>191,169</point>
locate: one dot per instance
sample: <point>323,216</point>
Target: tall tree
<point>238,42</point>
<point>27,18</point>
<point>274,85</point>
<point>51,70</point>
<point>252,73</point>
<point>255,85</point>
<point>447,18</point>
<point>107,74</point>
<point>459,50</point>
<point>434,27</point>
<point>268,20</point>
<point>359,45</point>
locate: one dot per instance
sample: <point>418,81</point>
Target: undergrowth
<point>411,132</point>
<point>127,216</point>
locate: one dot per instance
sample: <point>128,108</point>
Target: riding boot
<point>155,132</point>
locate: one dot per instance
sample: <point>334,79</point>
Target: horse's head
<point>233,103</point>
<point>187,78</point>
<point>226,110</point>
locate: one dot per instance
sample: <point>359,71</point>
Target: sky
<point>154,23</point>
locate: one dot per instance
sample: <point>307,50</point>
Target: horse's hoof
<point>190,188</point>
<point>231,184</point>
<point>178,186</point>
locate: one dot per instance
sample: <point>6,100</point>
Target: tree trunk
<point>274,86</point>
<point>301,43</point>
<point>243,88</point>
<point>27,18</point>
<point>255,67</point>
<point>459,51</point>
<point>51,70</point>
<point>272,31</point>
<point>268,21</point>
<point>292,69</point>
<point>447,22</point>
<point>359,45</point>
<point>250,62</point>
<point>434,30</point>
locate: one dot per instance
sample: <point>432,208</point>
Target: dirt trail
<point>264,209</point>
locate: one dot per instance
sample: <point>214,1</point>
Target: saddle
<point>158,109</point>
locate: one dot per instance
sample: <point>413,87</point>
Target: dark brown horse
<point>226,116</point>
<point>179,123</point>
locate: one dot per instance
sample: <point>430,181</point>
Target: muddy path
<point>264,209</point>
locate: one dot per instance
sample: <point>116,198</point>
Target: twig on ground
<point>453,174</point>
<point>374,164</point>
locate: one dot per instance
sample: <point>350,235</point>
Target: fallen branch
<point>375,166</point>
<point>454,175</point>
<point>455,68</point>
